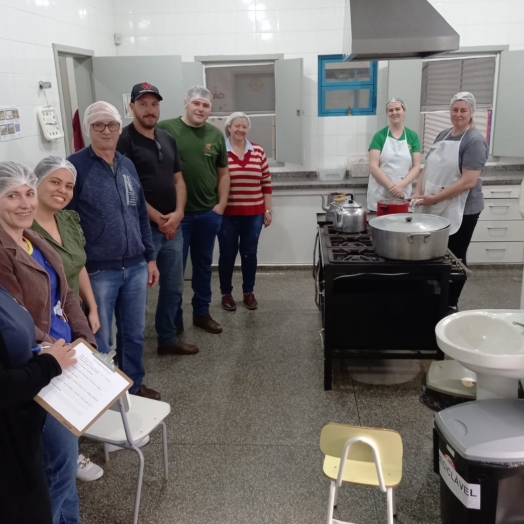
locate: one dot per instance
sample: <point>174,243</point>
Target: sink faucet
<point>518,324</point>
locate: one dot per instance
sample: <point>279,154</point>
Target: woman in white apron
<point>394,157</point>
<point>450,184</point>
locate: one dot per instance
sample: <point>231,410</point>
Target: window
<point>442,78</point>
<point>346,88</point>
<point>248,87</point>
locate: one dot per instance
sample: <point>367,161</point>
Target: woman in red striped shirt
<point>248,209</point>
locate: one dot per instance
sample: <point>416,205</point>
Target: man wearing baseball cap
<point>155,156</point>
<point>203,152</point>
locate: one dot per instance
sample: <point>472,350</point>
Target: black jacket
<point>21,423</point>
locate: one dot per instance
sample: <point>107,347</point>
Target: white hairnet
<point>50,164</point>
<point>466,97</point>
<point>198,92</point>
<point>13,174</point>
<point>234,116</point>
<point>396,99</point>
<point>100,111</point>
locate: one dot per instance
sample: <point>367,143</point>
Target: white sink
<point>488,343</point>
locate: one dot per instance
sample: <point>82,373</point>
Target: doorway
<point>75,88</point>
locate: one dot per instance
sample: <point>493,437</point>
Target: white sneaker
<point>111,447</point>
<point>88,471</point>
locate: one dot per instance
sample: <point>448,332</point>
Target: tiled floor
<point>247,413</point>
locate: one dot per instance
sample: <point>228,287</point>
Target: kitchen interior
<point>346,331</point>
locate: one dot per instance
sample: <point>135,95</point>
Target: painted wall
<point>29,28</point>
<point>297,28</point>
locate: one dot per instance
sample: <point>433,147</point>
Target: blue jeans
<point>200,232</point>
<point>239,233</point>
<point>124,293</point>
<point>60,462</point>
<point>169,259</point>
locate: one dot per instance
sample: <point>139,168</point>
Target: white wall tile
<point>266,21</point>
<point>307,41</point>
<point>246,43</point>
<point>266,43</point>
<point>516,34</point>
<point>286,42</point>
<point>245,21</point>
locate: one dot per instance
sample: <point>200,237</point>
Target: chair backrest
<point>334,436</point>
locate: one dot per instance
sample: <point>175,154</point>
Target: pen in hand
<point>39,348</point>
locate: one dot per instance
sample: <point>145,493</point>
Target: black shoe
<point>144,391</point>
<point>206,323</point>
<point>179,348</point>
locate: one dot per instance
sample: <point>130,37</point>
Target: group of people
<point>448,186</point>
<point>82,239</point>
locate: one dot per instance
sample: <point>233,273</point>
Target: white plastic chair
<point>365,456</point>
<point>125,424</point>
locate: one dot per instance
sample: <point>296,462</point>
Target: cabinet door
<point>501,191</point>
<point>501,209</point>
<point>508,131</point>
<point>495,252</point>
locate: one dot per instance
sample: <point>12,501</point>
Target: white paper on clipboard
<point>84,391</point>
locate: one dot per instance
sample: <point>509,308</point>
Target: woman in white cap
<point>394,157</point>
<point>56,179</point>
<point>248,209</point>
<point>450,185</point>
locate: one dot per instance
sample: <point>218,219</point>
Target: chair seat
<point>365,473</point>
<point>143,416</point>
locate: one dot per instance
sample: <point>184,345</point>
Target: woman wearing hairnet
<point>394,157</point>
<point>450,185</point>
<point>61,228</point>
<point>32,272</point>
<point>248,209</point>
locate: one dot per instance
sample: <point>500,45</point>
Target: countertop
<point>491,176</point>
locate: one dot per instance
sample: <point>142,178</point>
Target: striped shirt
<point>250,180</point>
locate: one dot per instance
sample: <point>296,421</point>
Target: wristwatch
<point>270,211</point>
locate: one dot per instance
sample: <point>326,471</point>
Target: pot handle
<point>425,235</point>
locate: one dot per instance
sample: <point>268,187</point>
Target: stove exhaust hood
<point>395,29</point>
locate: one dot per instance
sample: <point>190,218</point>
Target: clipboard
<point>72,390</point>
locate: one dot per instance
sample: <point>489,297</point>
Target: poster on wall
<point>10,127</point>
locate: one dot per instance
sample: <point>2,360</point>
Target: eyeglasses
<point>159,147</point>
<point>100,127</point>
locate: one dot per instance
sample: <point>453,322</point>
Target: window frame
<point>324,87</point>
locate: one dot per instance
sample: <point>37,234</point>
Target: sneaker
<point>111,447</point>
<point>250,301</point>
<point>87,471</point>
<point>206,323</point>
<point>228,302</point>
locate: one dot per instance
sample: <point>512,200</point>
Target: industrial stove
<point>373,307</point>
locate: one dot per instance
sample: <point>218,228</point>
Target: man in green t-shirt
<point>203,152</point>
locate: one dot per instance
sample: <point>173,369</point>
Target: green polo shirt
<point>71,250</point>
<point>202,150</point>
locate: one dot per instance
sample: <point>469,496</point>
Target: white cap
<point>396,99</point>
<point>466,97</point>
<point>198,92</point>
<point>50,164</point>
<point>234,116</point>
<point>99,111</point>
<point>13,174</point>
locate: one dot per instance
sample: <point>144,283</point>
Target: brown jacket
<point>28,282</point>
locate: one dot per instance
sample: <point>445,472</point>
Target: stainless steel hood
<point>393,29</point>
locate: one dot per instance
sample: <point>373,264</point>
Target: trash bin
<point>447,383</point>
<point>479,455</point>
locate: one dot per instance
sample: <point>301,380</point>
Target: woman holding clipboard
<point>31,270</point>
<point>24,497</point>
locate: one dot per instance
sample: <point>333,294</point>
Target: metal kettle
<point>331,201</point>
<point>350,217</point>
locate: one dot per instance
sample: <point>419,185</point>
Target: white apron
<point>442,170</point>
<point>395,161</point>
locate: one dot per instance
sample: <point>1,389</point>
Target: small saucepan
<point>389,206</point>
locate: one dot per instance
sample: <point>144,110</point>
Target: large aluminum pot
<point>410,236</point>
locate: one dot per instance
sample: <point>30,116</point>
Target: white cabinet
<point>499,235</point>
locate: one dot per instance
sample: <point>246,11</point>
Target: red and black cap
<point>143,89</point>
